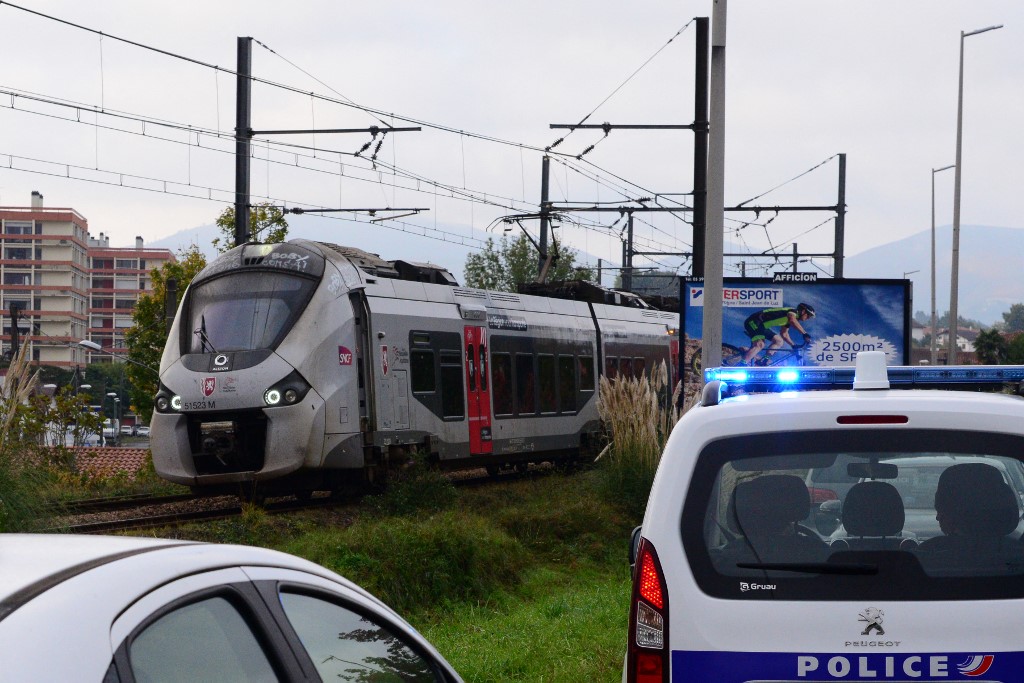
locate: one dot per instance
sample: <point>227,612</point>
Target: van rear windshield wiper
<point>851,569</point>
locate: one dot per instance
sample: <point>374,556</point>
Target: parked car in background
<point>127,430</point>
<point>143,609</point>
<point>143,430</point>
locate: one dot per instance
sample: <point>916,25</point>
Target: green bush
<point>420,563</point>
<point>415,488</point>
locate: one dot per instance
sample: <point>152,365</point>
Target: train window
<point>525,385</point>
<point>639,364</point>
<point>626,367</point>
<point>420,338</point>
<point>546,375</point>
<point>452,404</point>
<point>566,384</point>
<point>586,364</point>
<point>611,367</point>
<point>471,366</point>
<point>501,369</point>
<point>483,367</point>
<point>245,311</point>
<point>424,380</point>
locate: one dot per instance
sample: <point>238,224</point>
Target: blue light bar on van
<point>814,377</point>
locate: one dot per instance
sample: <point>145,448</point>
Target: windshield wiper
<point>851,569</point>
<point>203,339</point>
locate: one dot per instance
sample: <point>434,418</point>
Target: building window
<point>126,263</point>
<point>17,278</point>
<point>18,253</point>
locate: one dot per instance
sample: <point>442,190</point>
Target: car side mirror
<point>827,516</point>
<point>634,546</point>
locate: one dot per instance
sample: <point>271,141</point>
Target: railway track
<point>111,503</point>
<point>227,508</point>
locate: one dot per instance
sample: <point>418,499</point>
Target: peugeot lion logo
<point>873,617</point>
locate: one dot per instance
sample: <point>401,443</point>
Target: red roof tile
<point>107,460</point>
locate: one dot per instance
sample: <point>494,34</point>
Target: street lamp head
<point>91,345</point>
<point>980,30</point>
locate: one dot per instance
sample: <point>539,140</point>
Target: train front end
<point>241,397</point>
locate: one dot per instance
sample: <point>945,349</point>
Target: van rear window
<point>831,515</point>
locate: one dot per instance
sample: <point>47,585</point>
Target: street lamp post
<point>115,422</point>
<point>935,321</point>
<point>93,346</point>
<point>954,282</point>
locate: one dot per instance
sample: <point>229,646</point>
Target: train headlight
<point>176,402</point>
<point>289,391</point>
<point>162,404</point>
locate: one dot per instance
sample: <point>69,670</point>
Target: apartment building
<point>118,275</point>
<point>65,286</point>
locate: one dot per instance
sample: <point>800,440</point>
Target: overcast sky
<point>806,80</point>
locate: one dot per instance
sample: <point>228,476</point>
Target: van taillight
<point>648,658</point>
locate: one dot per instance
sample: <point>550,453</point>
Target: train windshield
<point>245,311</point>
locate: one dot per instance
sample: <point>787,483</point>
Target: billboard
<point>849,316</point>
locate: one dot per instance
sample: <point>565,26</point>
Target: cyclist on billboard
<point>761,326</point>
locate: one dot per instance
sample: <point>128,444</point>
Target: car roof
<point>26,559</point>
<point>30,564</point>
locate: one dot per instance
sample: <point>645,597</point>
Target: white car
<point>733,584</point>
<point>143,430</point>
<point>88,608</point>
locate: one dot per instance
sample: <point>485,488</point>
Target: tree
<point>962,322</point>
<point>1013,319</point>
<point>512,262</point>
<point>991,347</point>
<point>1015,350</point>
<point>262,218</point>
<point>148,336</point>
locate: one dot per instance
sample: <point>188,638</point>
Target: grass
<point>524,580</point>
<point>515,581</point>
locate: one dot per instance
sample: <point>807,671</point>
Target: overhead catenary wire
<point>370,111</point>
<point>226,196</point>
<point>467,194</point>
<point>620,87</point>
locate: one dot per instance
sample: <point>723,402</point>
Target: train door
<point>478,393</point>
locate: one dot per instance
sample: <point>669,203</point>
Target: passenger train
<point>306,366</point>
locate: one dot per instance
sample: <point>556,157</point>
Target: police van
<point>749,568</point>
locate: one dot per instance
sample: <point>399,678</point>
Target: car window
<point>346,645</point>
<point>204,641</point>
<point>936,516</point>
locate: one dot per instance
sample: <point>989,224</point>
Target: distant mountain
<point>991,271</point>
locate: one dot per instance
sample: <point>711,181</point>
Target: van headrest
<point>977,500</point>
<point>767,504</point>
<point>873,508</point>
